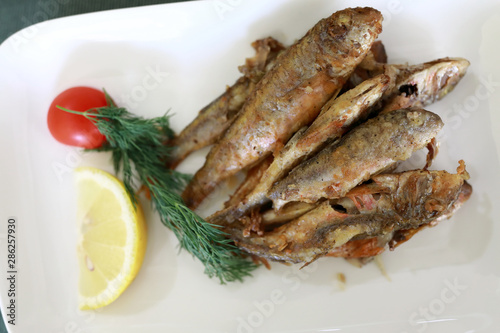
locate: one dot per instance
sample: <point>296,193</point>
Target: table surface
<point>18,14</point>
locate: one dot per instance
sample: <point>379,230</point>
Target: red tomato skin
<point>74,129</point>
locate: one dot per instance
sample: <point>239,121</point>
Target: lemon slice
<point>113,238</point>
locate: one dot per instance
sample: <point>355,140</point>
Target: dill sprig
<point>139,144</point>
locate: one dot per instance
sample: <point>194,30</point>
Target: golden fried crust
<point>290,95</point>
<point>337,116</point>
<point>403,201</point>
<point>213,120</point>
<point>366,150</point>
<point>424,84</point>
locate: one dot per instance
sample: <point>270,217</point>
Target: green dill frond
<point>138,147</point>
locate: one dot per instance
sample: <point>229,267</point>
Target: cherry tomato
<point>74,129</point>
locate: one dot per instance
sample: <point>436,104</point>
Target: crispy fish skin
<point>371,66</point>
<point>271,217</point>
<point>366,150</point>
<point>213,120</point>
<point>423,84</point>
<point>266,52</point>
<point>417,85</point>
<point>252,178</point>
<point>369,247</point>
<point>337,116</point>
<point>404,201</point>
<point>289,96</point>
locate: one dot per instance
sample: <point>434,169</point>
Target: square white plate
<point>180,57</point>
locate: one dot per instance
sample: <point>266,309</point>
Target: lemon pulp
<point>112,238</point>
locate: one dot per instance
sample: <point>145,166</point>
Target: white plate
<point>180,57</point>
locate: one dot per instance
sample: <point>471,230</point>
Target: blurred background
<point>18,14</point>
